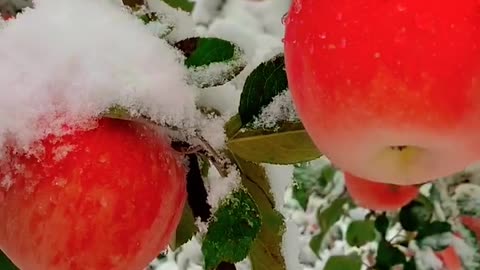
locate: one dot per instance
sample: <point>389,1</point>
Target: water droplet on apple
<point>297,6</point>
<point>323,35</point>
<point>401,7</point>
<point>339,16</point>
<point>343,43</point>
<point>377,55</point>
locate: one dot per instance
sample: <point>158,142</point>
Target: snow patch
<point>220,187</point>
<point>7,182</point>
<point>80,60</point>
<point>291,246</point>
<point>281,109</point>
<point>61,152</point>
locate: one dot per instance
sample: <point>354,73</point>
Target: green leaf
<point>117,112</point>
<point>350,262</point>
<point>301,193</point>
<point>329,216</point>
<point>266,252</point>
<point>288,145</point>
<point>233,125</point>
<point>381,224</point>
<point>410,265</point>
<point>388,256</point>
<point>326,218</point>
<point>416,214</point>
<point>186,229</point>
<point>232,232</point>
<point>433,228</point>
<point>316,242</point>
<point>205,51</point>
<point>360,232</point>
<point>185,5</point>
<point>5,263</point>
<point>436,235</point>
<point>267,81</point>
<point>202,52</point>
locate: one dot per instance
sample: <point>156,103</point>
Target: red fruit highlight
<point>106,198</point>
<point>388,90</point>
<point>378,196</point>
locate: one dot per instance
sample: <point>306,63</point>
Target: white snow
<point>6,182</point>
<point>220,187</point>
<point>182,22</point>
<point>467,254</point>
<point>62,151</point>
<point>281,109</point>
<point>280,177</point>
<point>291,246</point>
<point>80,57</point>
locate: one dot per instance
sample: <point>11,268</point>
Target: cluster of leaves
<point>396,236</point>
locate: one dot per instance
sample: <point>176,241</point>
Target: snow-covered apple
<point>379,196</point>
<point>110,197</point>
<point>388,90</point>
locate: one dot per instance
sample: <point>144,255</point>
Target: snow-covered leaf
<point>416,214</point>
<point>211,61</point>
<point>185,5</point>
<point>289,144</point>
<point>350,262</point>
<point>5,263</point>
<point>232,231</point>
<point>310,178</point>
<point>360,232</point>
<point>267,81</point>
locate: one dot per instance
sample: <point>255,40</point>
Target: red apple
<point>450,259</point>
<point>472,223</point>
<point>106,198</point>
<point>379,196</point>
<point>388,90</point>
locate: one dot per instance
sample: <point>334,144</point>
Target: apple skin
<point>388,90</point>
<point>450,259</point>
<point>379,196</point>
<point>106,198</point>
<point>472,223</point>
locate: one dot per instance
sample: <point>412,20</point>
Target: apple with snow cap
<point>388,90</point>
<point>105,198</point>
